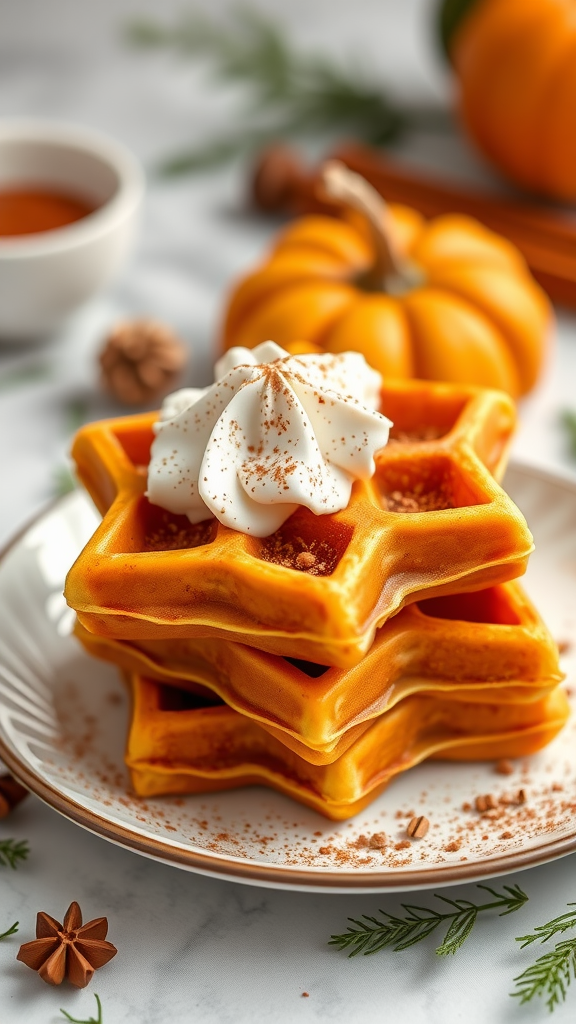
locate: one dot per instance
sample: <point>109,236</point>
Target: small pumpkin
<point>441,300</point>
<point>515,61</point>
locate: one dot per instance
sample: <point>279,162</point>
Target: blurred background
<point>73,61</point>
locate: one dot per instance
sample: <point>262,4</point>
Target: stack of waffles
<point>344,648</point>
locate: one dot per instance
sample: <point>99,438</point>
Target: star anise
<point>70,950</point>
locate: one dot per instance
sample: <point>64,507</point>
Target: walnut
<point>140,361</point>
<point>485,802</point>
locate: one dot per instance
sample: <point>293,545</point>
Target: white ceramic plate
<point>63,720</point>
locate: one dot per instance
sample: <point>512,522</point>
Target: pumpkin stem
<point>344,185</point>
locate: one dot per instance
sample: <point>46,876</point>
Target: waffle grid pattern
<point>360,566</point>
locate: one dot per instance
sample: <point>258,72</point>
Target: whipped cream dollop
<point>274,432</point>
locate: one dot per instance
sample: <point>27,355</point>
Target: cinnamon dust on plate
<point>544,804</point>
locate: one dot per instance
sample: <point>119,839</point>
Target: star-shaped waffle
<point>180,743</point>
<point>490,646</point>
<point>431,521</point>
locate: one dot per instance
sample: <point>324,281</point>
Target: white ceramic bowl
<point>46,276</point>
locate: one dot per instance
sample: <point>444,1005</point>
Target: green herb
<point>371,934</point>
<point>24,375</point>
<point>91,1020</point>
<point>451,14</point>
<point>11,931</point>
<point>63,482</point>
<point>76,411</point>
<point>551,973</point>
<point>292,93</point>
<point>568,420</point>
<point>557,926</point>
<point>11,852</point>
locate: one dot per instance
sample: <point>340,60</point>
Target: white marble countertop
<point>192,948</point>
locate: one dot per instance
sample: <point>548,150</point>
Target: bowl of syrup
<point>69,205</point>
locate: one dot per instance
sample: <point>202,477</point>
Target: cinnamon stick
<point>11,794</point>
<point>546,238</point>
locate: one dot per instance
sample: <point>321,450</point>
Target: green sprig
<point>370,934</point>
<point>451,14</point>
<point>551,974</point>
<point>23,375</point>
<point>91,1020</point>
<point>568,420</point>
<point>11,852</point>
<point>291,93</point>
<point>11,930</point>
<point>63,481</point>
<point>557,926</point>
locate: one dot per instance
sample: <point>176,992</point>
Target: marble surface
<point>192,948</point>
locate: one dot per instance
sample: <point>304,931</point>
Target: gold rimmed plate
<point>63,722</point>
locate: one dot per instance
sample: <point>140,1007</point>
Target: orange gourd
<point>440,300</point>
<point>516,66</point>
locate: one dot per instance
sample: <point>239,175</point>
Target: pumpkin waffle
<point>431,521</point>
<point>179,743</point>
<point>490,646</point>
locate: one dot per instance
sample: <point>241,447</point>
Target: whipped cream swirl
<point>274,432</point>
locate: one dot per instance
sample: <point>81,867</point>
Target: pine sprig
<point>11,852</point>
<point>550,975</point>
<point>291,93</point>
<point>91,1020</point>
<point>557,926</point>
<point>552,972</point>
<point>11,930</point>
<point>371,934</point>
<point>25,374</point>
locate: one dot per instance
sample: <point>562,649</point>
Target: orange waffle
<point>486,647</point>
<point>177,744</point>
<point>431,521</point>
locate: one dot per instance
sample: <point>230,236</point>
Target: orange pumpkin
<point>441,300</point>
<point>516,66</point>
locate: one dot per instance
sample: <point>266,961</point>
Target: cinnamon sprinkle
<point>171,536</point>
<point>548,809</point>
<point>378,841</point>
<point>305,560</point>
<point>417,500</point>
<point>317,558</point>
